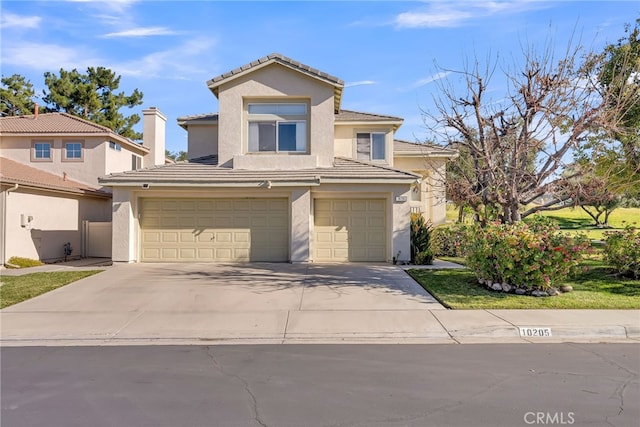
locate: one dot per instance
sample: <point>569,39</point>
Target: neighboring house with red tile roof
<point>49,169</point>
<point>280,174</point>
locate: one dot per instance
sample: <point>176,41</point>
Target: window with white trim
<point>136,162</point>
<point>370,146</point>
<point>277,127</point>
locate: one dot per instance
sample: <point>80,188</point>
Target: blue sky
<point>385,51</point>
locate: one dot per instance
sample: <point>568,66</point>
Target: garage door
<point>202,230</point>
<point>350,230</point>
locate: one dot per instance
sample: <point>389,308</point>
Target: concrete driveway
<point>176,303</point>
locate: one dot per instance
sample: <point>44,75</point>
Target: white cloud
<point>142,32</point>
<point>360,83</point>
<point>457,13</point>
<point>48,56</point>
<point>437,76</point>
<point>115,6</point>
<point>10,20</point>
<point>181,62</point>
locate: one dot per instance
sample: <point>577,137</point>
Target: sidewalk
<point>137,304</point>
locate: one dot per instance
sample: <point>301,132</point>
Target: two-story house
<point>280,173</point>
<point>49,169</point>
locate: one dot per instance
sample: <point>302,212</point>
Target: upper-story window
<point>277,127</point>
<point>72,151</point>
<point>370,146</point>
<point>41,151</point>
<point>115,146</point>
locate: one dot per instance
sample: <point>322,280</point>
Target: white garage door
<point>350,230</point>
<point>202,230</point>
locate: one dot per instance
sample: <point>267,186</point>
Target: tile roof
<point>278,58</point>
<point>281,59</point>
<point>12,172</point>
<point>202,172</point>
<point>357,116</point>
<point>58,124</point>
<point>184,121</point>
<point>416,149</point>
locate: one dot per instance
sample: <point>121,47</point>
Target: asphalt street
<point>322,385</point>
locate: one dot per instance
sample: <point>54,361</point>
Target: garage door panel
<point>350,230</point>
<point>214,230</point>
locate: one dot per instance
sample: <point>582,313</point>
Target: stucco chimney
<point>153,137</point>
<point>36,110</point>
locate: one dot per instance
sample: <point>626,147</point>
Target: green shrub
<point>622,251</point>
<point>449,240</point>
<point>24,262</point>
<point>530,255</point>
<point>421,229</point>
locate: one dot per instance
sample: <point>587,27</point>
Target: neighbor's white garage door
<point>201,230</point>
<point>350,230</point>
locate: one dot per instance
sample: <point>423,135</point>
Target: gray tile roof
<point>357,116</point>
<point>185,121</point>
<point>279,58</point>
<point>405,148</point>
<point>202,172</point>
<point>338,84</point>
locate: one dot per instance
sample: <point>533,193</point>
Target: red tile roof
<point>12,172</point>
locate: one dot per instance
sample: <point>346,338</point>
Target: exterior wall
<point>345,140</point>
<point>57,219</point>
<point>98,158</point>
<point>202,141</point>
<point>124,238</point>
<point>433,196</point>
<point>275,81</point>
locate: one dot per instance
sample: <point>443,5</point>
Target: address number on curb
<point>530,332</point>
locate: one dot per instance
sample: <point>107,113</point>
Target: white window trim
<point>277,119</point>
<point>384,159</point>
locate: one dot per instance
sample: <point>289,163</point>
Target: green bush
<point>24,262</point>
<point>622,251</point>
<point>530,255</point>
<point>449,240</point>
<point>421,253</point>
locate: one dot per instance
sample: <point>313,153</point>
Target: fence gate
<point>96,239</point>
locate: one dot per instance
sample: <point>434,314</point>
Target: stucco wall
<point>276,81</point>
<point>202,141</point>
<point>433,194</point>
<point>98,158</point>
<point>57,219</point>
<point>345,140</point>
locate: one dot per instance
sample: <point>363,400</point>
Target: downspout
<point>3,244</point>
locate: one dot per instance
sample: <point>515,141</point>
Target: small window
<point>370,146</point>
<point>72,151</point>
<point>115,146</point>
<point>41,151</point>
<point>136,162</point>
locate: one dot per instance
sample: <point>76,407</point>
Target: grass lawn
<point>16,289</point>
<point>575,220</point>
<point>596,288</point>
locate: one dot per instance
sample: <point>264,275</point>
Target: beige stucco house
<point>49,169</point>
<point>281,173</point>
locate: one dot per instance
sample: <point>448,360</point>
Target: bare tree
<point>518,147</point>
